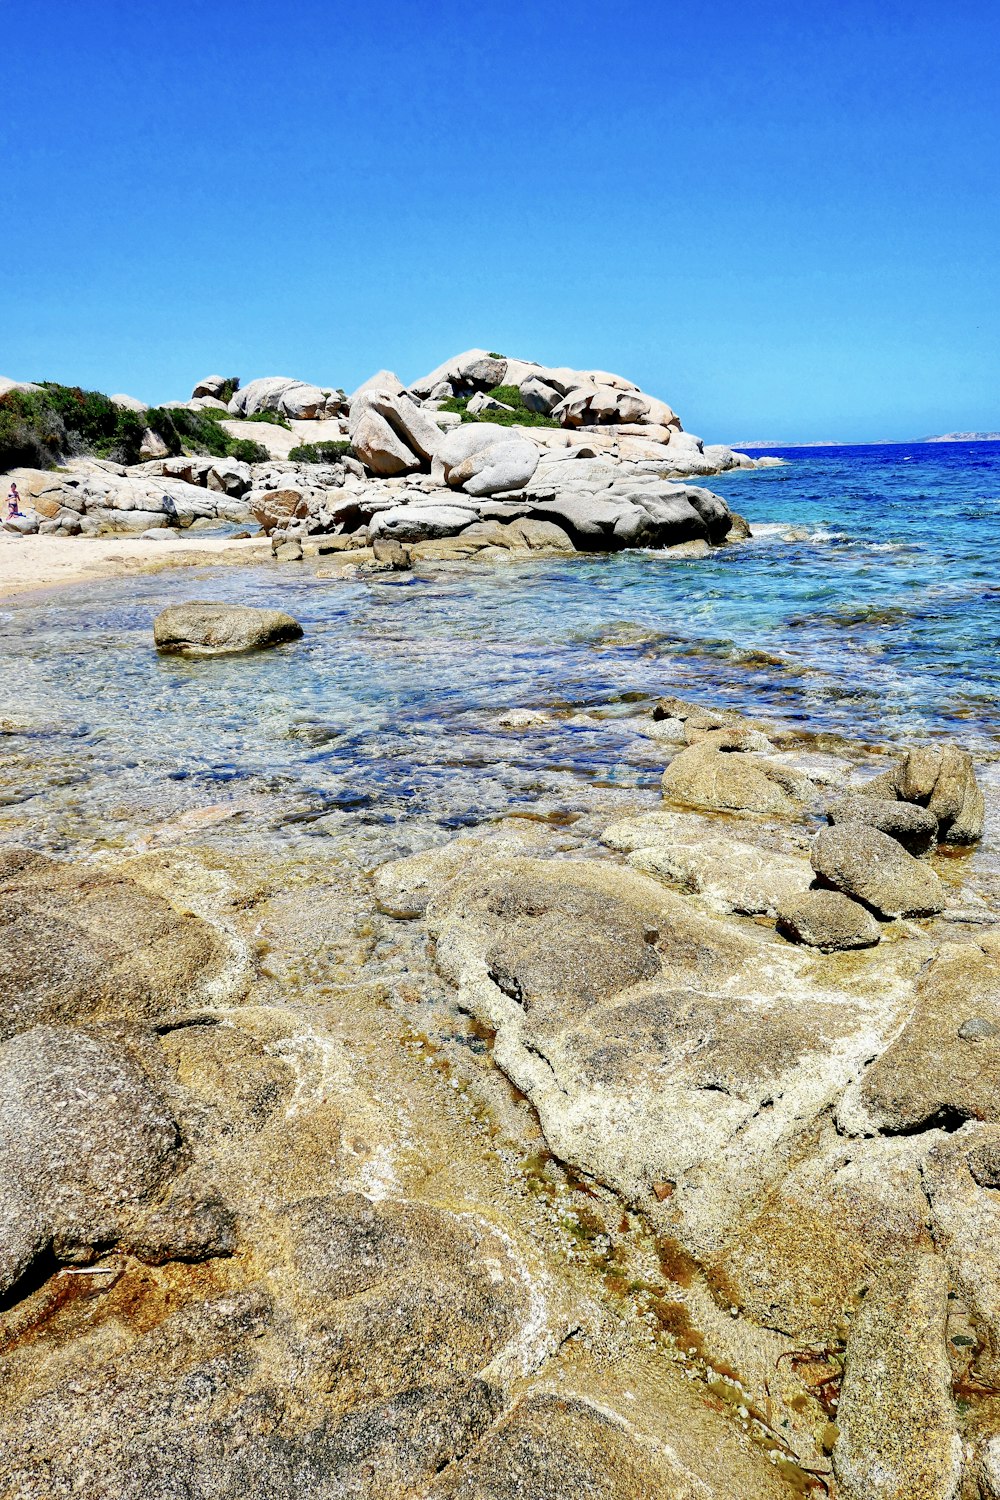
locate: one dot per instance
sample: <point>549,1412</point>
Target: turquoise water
<point>868,603</point>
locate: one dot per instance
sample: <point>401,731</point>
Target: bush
<point>32,433</point>
<point>229,389</point>
<point>247,451</point>
<point>274,417</point>
<point>319,453</point>
<point>520,416</point>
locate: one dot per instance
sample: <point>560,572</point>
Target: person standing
<point>13,502</point>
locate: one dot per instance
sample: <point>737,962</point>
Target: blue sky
<point>782,218</point>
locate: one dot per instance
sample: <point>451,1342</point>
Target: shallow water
<point>868,603</point>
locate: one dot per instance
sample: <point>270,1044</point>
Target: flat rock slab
<point>207,629</point>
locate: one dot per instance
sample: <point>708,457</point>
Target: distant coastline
<point>943,437</point>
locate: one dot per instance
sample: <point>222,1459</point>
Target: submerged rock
<point>207,629</point>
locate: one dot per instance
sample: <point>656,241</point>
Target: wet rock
<point>873,868</point>
<point>898,1431</point>
<point>708,775</point>
<point>208,629</point>
<point>829,921</point>
<point>931,1073</point>
<point>943,779</point>
<point>77,944</point>
<point>914,827</point>
<point>84,1136</point>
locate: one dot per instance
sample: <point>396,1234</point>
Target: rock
<point>194,1224</point>
<point>913,827</point>
<point>273,509</point>
<point>874,869</point>
<point>732,875</point>
<point>829,921</point>
<point>379,447</point>
<point>521,718</point>
<point>932,1071</point>
<point>382,380</point>
<point>481,402</point>
<point>279,393</point>
<point>288,551</point>
<point>122,950</point>
<point>385,550</point>
<point>501,466</point>
<point>129,403</point>
<point>201,628</point>
<point>739,528</point>
<point>152,445</point>
<point>474,369</point>
<point>541,535</point>
<point>416,523</point>
<point>462,442</point>
<point>84,1137</point>
<point>412,427</point>
<point>212,385</point>
<point>944,781</point>
<point>537,395</point>
<point>706,775</point>
<point>898,1434</point>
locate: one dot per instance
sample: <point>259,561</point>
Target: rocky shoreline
<point>584,453</point>
<point>645,1151</point>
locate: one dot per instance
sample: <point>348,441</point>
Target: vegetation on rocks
<point>38,428</point>
<point>319,453</point>
<point>201,432</point>
<point>274,417</point>
<point>519,415</point>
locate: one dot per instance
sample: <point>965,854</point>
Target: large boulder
<point>418,523</point>
<point>203,628</point>
<point>86,1142</point>
<point>280,393</point>
<point>379,447</point>
<point>382,380</point>
<point>828,920</point>
<point>211,385</point>
<point>498,467</point>
<point>415,431</point>
<point>463,442</point>
<point>877,871</point>
<point>943,779</point>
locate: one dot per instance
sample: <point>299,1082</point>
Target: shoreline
<point>35,564</point>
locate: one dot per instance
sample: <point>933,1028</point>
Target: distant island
<point>943,437</point>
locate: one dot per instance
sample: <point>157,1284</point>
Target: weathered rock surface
<point>86,1140</point>
<point>77,944</point>
<point>829,921</point>
<point>898,1432</point>
<point>873,868</point>
<point>290,398</point>
<point>709,774</point>
<point>912,826</point>
<point>202,628</point>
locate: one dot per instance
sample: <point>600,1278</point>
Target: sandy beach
<point>40,562</point>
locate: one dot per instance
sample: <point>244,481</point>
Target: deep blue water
<point>868,602</point>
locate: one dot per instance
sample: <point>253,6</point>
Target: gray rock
<point>295,399</point>
<point>202,628</point>
<point>708,775</point>
<point>84,1135</point>
<point>874,869</point>
<point>912,826</point>
<point>416,432</point>
<point>943,779</point>
<point>501,466</point>
<point>212,385</point>
<point>416,523</point>
<point>537,395</point>
<point>471,437</point>
<point>828,920</point>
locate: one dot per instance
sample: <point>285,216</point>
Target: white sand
<point>41,562</point>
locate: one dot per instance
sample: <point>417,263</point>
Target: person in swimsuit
<point>13,502</point>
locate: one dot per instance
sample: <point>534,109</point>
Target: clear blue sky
<point>783,218</point>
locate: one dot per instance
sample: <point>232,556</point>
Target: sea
<point>865,605</point>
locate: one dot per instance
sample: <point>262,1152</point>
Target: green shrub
<point>494,355</point>
<point>274,417</point>
<point>247,451</point>
<point>520,416</point>
<point>32,433</point>
<point>319,453</point>
<point>229,389</point>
